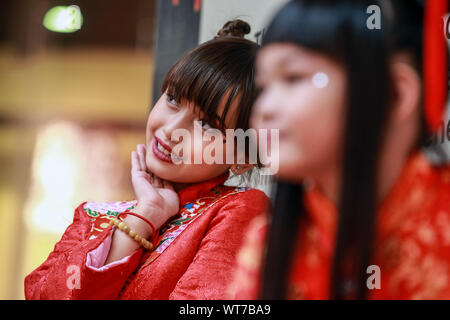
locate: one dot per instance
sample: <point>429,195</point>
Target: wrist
<point>139,226</point>
<point>153,214</point>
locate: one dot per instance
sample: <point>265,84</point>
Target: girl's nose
<point>173,123</point>
<point>266,107</point>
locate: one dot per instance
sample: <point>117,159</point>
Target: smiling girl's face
<point>213,83</point>
<point>169,115</point>
<point>302,94</point>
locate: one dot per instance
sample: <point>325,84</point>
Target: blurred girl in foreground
<point>358,205</point>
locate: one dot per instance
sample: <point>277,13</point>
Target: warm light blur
<point>56,169</point>
<point>72,108</point>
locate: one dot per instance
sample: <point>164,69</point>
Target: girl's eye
<point>171,100</point>
<point>206,125</point>
<point>293,78</point>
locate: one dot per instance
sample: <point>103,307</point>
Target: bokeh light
<point>63,19</point>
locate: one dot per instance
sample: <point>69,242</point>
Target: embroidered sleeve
<point>64,274</point>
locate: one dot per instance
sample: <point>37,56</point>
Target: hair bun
<point>234,28</point>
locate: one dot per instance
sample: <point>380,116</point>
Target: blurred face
<point>302,94</point>
<point>169,116</point>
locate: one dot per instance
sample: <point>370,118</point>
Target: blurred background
<point>77,81</point>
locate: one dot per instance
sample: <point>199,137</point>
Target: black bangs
<point>218,70</point>
<point>321,25</point>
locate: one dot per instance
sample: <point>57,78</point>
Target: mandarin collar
<point>196,190</point>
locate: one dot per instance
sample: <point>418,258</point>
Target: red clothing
<point>193,259</point>
<point>412,245</point>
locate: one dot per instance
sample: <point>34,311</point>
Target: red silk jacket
<point>193,259</point>
<point>412,245</point>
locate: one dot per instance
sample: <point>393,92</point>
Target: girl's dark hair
<point>222,67</point>
<point>338,30</point>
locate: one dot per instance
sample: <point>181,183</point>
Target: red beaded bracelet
<point>140,217</point>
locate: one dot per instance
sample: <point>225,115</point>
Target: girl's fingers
<point>141,152</point>
<point>135,166</point>
<point>157,182</point>
<point>152,178</point>
<point>167,185</point>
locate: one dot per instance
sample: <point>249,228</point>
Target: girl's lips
<point>158,154</point>
<point>168,148</point>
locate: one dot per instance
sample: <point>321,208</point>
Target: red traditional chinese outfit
<point>193,259</point>
<point>412,245</point>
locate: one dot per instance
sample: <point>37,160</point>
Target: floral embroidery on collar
<point>102,212</point>
<point>189,213</point>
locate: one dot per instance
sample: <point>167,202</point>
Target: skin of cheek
<point>312,118</point>
<point>181,173</point>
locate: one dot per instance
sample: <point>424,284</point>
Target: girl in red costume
<point>360,210</point>
<point>181,234</point>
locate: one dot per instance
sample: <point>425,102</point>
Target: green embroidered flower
<point>91,213</point>
<point>179,222</point>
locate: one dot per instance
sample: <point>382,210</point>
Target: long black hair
<point>338,29</point>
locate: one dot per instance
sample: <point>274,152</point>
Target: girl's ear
<point>407,86</point>
<point>241,168</point>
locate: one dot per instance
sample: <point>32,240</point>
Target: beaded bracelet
<point>140,217</point>
<point>122,226</point>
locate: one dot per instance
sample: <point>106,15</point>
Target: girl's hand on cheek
<point>157,200</point>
